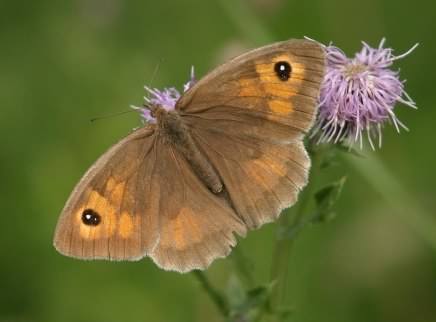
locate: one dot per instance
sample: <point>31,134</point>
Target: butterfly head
<point>165,99</point>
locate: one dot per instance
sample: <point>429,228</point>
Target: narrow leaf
<point>326,198</point>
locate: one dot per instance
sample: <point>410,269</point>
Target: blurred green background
<point>65,62</point>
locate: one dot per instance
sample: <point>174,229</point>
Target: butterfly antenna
<point>109,116</point>
<point>145,105</point>
<point>153,76</point>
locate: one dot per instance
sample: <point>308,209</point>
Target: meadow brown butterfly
<point>227,159</point>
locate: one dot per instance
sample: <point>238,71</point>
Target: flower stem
<point>217,298</point>
<point>289,221</point>
<point>243,266</point>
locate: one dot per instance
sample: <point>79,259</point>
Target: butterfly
<point>228,159</point>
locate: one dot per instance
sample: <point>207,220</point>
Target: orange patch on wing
<point>103,207</point>
<point>185,229</point>
<point>279,90</point>
<point>125,227</point>
<point>276,166</point>
<point>178,233</point>
<point>94,199</point>
<point>265,164</point>
<point>110,184</point>
<point>117,194</point>
<point>281,107</point>
<point>250,87</point>
<point>269,86</point>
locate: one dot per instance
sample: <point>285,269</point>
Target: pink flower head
<point>359,95</point>
<point>166,98</point>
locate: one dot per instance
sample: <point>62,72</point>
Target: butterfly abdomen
<point>175,132</point>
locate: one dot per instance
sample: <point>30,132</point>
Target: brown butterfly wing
<point>195,225</point>
<point>248,85</point>
<point>119,189</point>
<point>150,203</point>
<point>261,178</point>
<point>250,124</point>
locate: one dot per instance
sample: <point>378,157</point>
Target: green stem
<point>217,298</point>
<point>285,241</point>
<point>244,266</point>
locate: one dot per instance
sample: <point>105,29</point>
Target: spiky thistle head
<point>359,94</point>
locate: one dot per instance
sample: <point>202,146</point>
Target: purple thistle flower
<point>359,94</point>
<point>166,98</point>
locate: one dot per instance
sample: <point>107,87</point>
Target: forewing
<point>118,188</point>
<point>247,92</point>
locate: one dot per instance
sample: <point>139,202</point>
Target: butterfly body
<point>172,130</point>
<point>229,158</point>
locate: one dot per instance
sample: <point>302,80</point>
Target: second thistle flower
<point>358,95</point>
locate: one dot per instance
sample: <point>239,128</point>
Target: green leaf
<point>326,198</point>
<point>332,151</point>
<point>329,159</point>
<point>215,295</point>
<point>255,302</point>
<point>342,147</point>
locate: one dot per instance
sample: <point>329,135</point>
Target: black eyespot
<point>90,217</point>
<point>283,70</point>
